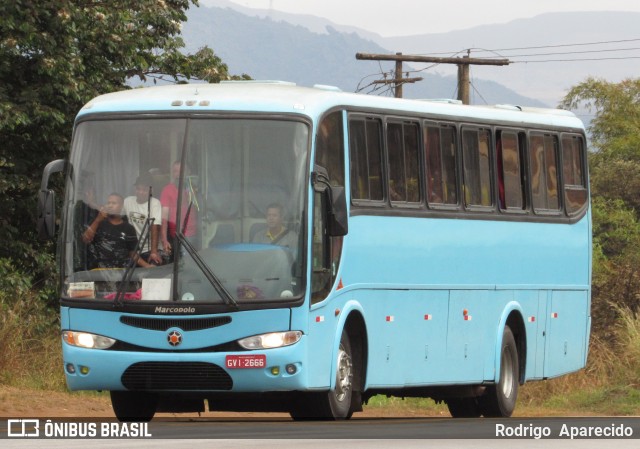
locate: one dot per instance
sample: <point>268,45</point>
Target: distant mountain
<point>547,81</point>
<point>266,49</point>
<point>312,23</point>
<point>308,50</point>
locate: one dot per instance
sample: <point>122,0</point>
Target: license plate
<point>246,361</point>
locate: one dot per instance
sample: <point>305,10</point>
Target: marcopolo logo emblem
<point>174,338</point>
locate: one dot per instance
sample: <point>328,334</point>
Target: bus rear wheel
<point>133,406</point>
<point>499,399</point>
<point>335,404</point>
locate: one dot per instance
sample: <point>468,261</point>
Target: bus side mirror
<point>46,214</point>
<point>335,201</point>
<point>46,201</point>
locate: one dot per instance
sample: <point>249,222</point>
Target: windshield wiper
<point>142,241</point>
<point>206,270</point>
<point>128,272</point>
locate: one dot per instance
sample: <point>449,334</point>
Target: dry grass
<point>30,352</point>
<point>610,383</point>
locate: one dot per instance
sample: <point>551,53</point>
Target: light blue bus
<point>434,250</point>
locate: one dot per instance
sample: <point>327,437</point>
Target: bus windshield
<point>199,210</point>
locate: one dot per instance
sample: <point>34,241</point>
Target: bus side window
<point>543,159</point>
<point>440,157</point>
<point>365,141</point>
<point>476,161</point>
<point>575,190</point>
<point>404,159</point>
<point>510,174</point>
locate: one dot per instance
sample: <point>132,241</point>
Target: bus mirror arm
<point>320,179</point>
<point>46,201</point>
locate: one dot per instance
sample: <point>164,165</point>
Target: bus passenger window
<point>511,181</point>
<point>575,191</point>
<point>402,148</point>
<point>477,167</point>
<point>551,161</point>
<point>440,157</point>
<point>544,173</point>
<point>366,166</point>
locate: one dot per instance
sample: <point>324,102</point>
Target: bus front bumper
<point>279,369</point>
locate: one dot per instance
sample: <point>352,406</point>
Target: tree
<point>615,136</point>
<point>614,164</point>
<point>55,55</point>
<point>616,263</point>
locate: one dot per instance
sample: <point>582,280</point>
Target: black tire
<point>464,407</point>
<point>499,400</point>
<point>133,406</point>
<point>335,404</point>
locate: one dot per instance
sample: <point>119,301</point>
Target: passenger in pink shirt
<point>169,201</point>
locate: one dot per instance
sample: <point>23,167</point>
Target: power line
<point>538,47</point>
<point>574,52</point>
<point>478,92</point>
<point>576,60</point>
<point>452,59</point>
<point>567,45</point>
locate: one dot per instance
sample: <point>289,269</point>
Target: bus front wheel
<point>133,406</point>
<point>337,403</point>
<point>499,399</point>
<point>340,397</point>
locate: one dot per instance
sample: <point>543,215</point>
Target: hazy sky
<point>403,17</point>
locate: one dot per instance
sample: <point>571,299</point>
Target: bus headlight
<point>87,340</point>
<point>271,340</point>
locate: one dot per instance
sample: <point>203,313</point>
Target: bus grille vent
<point>179,376</point>
<point>186,324</point>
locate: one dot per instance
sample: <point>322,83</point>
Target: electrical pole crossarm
<point>432,59</point>
<point>394,81</point>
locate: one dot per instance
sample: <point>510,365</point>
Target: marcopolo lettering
<point>161,309</point>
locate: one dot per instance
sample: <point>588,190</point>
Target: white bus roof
<point>283,97</point>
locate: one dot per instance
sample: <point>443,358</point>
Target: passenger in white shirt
<point>136,208</point>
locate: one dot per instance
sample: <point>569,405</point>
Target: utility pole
<point>464,82</point>
<point>462,63</point>
<point>397,80</point>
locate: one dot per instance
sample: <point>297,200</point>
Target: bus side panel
<point>405,331</point>
<point>566,336</point>
<point>385,312</point>
<point>322,334</point>
<point>431,316</point>
<point>542,318</point>
<point>470,340</point>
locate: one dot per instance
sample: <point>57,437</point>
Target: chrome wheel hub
<point>344,375</point>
